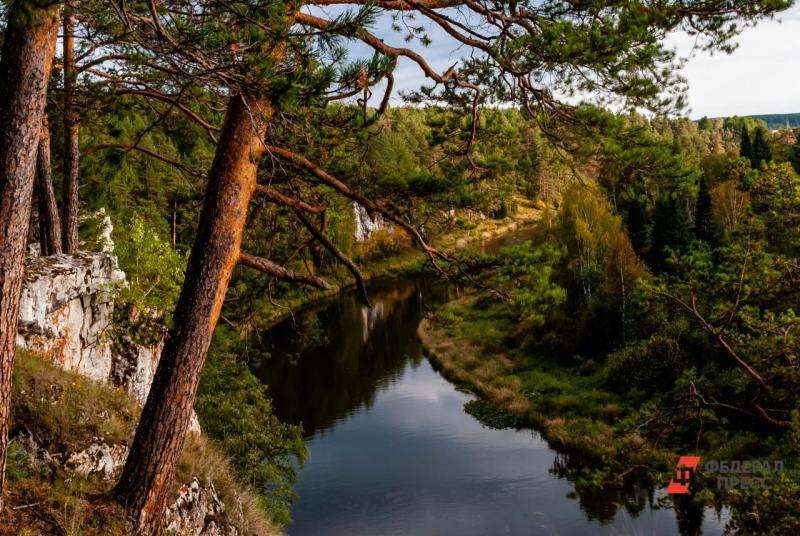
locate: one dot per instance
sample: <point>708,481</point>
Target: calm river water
<point>392,451</point>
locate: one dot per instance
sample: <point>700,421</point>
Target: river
<point>392,451</point>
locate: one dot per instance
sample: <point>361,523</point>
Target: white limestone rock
<point>198,511</point>
<point>98,458</point>
<point>366,224</point>
<point>65,309</point>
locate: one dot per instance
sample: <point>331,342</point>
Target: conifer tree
<point>746,146</point>
<point>672,232</point>
<point>703,215</point>
<point>762,152</point>
<point>636,223</point>
<point>264,58</point>
<point>27,57</point>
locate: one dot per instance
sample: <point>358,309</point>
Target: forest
<point>238,147</point>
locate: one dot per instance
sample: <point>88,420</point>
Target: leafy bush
<point>234,409</point>
<point>155,271</point>
<point>648,365</point>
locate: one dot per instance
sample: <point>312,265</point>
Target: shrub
<point>234,409</point>
<point>647,365</point>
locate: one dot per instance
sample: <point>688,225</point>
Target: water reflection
<point>393,452</point>
<point>365,351</point>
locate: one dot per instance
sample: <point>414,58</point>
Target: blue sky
<point>762,76</point>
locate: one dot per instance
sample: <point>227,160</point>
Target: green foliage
<point>762,151</point>
<point>18,464</point>
<point>703,215</point>
<point>746,149</point>
<point>644,365</point>
<point>155,271</point>
<point>672,233</point>
<point>234,408</point>
<point>492,415</point>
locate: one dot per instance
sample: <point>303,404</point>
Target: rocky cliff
<point>67,312</point>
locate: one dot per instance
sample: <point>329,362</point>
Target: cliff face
<point>366,223</point>
<point>67,311</point>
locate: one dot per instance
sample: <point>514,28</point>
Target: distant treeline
<point>775,121</point>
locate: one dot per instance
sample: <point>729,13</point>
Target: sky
<point>761,76</point>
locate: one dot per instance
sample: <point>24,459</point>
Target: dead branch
<point>280,272</point>
<point>700,319</point>
<point>344,259</point>
<point>274,195</point>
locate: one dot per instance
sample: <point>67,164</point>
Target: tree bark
<point>71,134</point>
<point>150,468</point>
<point>49,223</point>
<point>27,57</point>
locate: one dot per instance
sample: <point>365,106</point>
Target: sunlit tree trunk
<point>71,133</point>
<point>49,223</point>
<point>150,468</point>
<point>28,49</point>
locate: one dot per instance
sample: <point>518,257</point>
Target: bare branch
<point>274,195</point>
<point>367,203</point>
<point>700,319</point>
<point>276,270</point>
<point>344,259</point>
<point>127,148</point>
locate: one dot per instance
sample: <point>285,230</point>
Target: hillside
<point>776,121</point>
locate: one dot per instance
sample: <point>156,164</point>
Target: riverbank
<point>564,405</point>
<point>410,260</point>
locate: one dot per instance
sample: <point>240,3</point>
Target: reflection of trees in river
<point>602,504</point>
<point>366,349</point>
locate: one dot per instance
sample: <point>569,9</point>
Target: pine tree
<point>261,91</point>
<point>28,47</point>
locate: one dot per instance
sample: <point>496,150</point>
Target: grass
<point>66,412</point>
<point>244,508</point>
<point>472,344</point>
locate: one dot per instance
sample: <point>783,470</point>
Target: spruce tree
<point>746,147</point>
<point>703,216</point>
<point>636,222</point>
<point>672,232</point>
<point>762,152</point>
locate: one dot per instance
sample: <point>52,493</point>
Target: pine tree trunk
<point>71,133</point>
<point>27,57</point>
<point>150,467</point>
<point>49,223</point>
